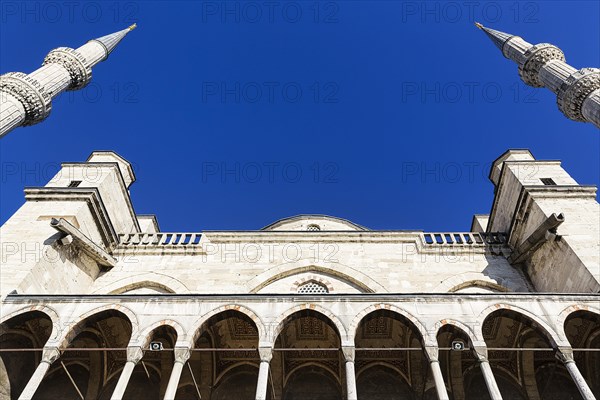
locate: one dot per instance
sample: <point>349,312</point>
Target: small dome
<point>313,223</point>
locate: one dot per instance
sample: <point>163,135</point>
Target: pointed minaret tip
<point>109,42</point>
<point>497,37</point>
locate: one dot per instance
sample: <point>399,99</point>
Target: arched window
<point>312,288</point>
<point>313,228</point>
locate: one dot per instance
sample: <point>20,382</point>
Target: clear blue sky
<point>385,113</point>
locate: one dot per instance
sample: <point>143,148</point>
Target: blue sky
<point>236,114</point>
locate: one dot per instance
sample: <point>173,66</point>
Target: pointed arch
<point>238,364</point>
<point>465,328</point>
<point>343,272</point>
<point>461,281</point>
<point>146,334</point>
<point>48,311</point>
<point>564,314</point>
<point>403,380</point>
<point>238,382</point>
<point>72,330</point>
<point>385,364</point>
<point>478,283</point>
<point>307,364</point>
<point>149,279</point>
<point>553,337</point>
<point>280,322</point>
<point>390,307</point>
<point>195,330</point>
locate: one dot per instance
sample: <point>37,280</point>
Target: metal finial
<point>132,27</point>
<point>477,24</point>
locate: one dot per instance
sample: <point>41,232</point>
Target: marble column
<point>182,354</point>
<point>486,369</point>
<point>565,354</point>
<point>134,355</point>
<point>266,354</point>
<point>438,378</point>
<point>349,356</point>
<point>49,355</point>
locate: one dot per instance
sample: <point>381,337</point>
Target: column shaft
<point>438,378</point>
<point>123,381</point>
<point>490,381</point>
<point>266,354</point>
<point>263,381</point>
<point>351,381</point>
<point>182,354</point>
<point>432,353</point>
<point>174,380</point>
<point>49,355</point>
<point>34,381</point>
<point>582,385</point>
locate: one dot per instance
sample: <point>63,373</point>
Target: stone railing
<point>160,239</point>
<point>433,239</point>
<point>463,238</point>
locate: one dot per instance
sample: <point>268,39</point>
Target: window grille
<point>548,181</point>
<point>312,288</point>
<point>313,227</point>
<point>74,184</point>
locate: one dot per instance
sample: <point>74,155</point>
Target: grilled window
<point>312,288</point>
<point>548,181</point>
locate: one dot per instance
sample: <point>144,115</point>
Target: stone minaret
<point>543,65</point>
<point>26,99</point>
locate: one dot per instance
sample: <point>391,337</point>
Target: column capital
<point>565,355</point>
<point>349,353</point>
<point>182,354</point>
<point>265,354</point>
<point>50,354</point>
<point>134,354</point>
<point>432,353</point>
<point>481,352</point>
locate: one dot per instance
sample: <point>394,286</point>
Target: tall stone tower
<point>26,99</point>
<point>543,65</point>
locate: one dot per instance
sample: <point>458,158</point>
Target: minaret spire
<point>111,41</point>
<point>26,99</point>
<point>544,65</point>
<point>497,37</point>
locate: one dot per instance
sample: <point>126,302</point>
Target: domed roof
<point>313,222</point>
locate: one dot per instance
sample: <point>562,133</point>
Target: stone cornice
<point>91,197</point>
<point>372,297</point>
<point>311,236</point>
<point>562,191</point>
